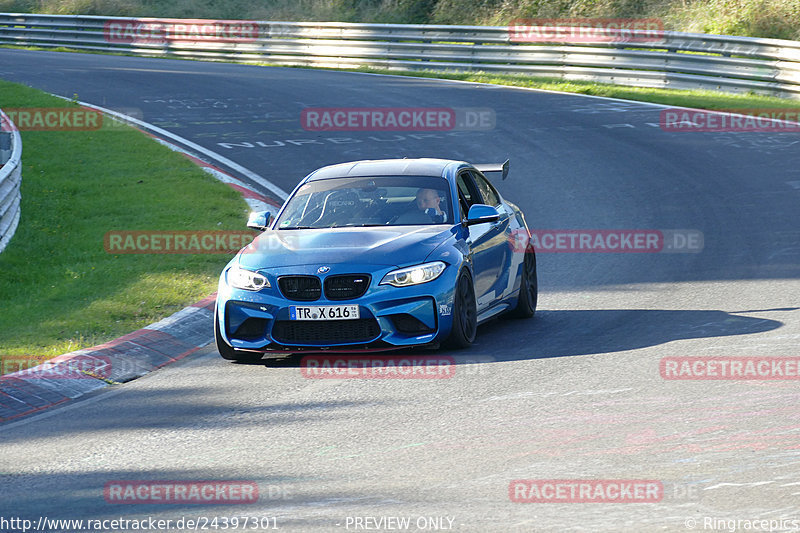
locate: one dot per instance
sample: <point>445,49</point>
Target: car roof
<point>385,167</point>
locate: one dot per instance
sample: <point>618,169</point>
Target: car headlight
<point>414,275</point>
<point>246,279</point>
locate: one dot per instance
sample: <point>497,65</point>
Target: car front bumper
<point>389,317</point>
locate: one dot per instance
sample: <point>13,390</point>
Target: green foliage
<point>756,18</point>
<point>17,6</point>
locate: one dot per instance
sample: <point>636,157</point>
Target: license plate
<point>323,312</point>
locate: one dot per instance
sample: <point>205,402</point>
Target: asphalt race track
<point>575,394</point>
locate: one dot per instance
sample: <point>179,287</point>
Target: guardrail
<point>10,179</point>
<point>676,60</point>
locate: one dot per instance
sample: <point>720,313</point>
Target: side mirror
<point>482,213</point>
<point>259,220</point>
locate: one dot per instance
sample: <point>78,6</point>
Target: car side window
<point>489,194</point>
<point>467,189</point>
<point>467,193</point>
<point>464,189</point>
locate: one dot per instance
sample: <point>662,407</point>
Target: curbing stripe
<point>21,391</point>
<point>47,395</point>
<point>208,302</point>
<point>138,353</point>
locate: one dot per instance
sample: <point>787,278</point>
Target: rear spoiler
<point>494,167</point>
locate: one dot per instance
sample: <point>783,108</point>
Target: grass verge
<point>60,290</point>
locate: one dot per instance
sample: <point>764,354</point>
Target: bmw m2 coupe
<point>378,255</point>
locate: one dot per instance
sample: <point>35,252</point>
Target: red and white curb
<point>118,361</point>
<point>133,355</point>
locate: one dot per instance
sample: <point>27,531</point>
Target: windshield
<point>370,201</point>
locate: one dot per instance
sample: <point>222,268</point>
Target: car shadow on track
<point>563,333</point>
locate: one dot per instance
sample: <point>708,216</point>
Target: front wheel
<point>529,287</point>
<point>465,314</point>
<point>229,353</point>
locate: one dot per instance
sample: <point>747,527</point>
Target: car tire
<point>229,353</point>
<point>528,287</point>
<point>465,314</point>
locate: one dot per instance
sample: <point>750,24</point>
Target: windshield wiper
<point>299,227</point>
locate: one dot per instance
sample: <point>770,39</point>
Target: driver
<point>428,200</point>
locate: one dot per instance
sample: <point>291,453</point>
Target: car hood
<point>391,246</point>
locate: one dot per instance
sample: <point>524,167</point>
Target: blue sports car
<point>377,255</point>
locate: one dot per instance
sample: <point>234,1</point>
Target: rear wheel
<point>229,353</point>
<point>465,314</point>
<point>529,287</point>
